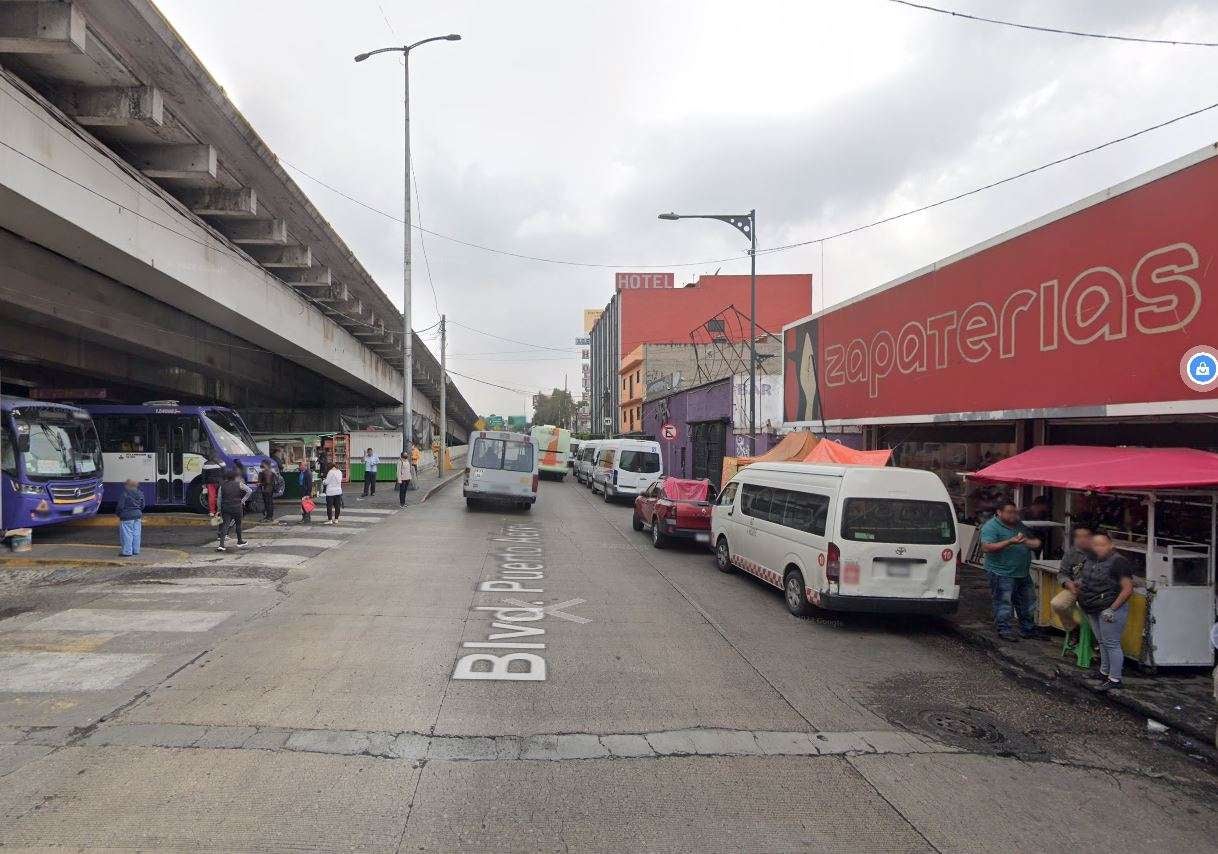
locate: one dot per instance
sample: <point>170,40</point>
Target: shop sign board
<point>1097,305</point>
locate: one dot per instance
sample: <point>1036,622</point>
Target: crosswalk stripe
<point>359,510</point>
<point>124,620</point>
<point>309,542</point>
<point>44,672</point>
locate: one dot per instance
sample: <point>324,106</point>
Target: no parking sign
<point>668,432</point>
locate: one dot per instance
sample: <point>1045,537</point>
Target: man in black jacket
<point>234,495</point>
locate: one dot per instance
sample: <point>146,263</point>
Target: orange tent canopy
<point>794,446</point>
<point>828,451</point>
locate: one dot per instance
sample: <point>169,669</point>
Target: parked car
<point>625,467</point>
<point>672,509</point>
<point>502,466</point>
<point>850,538</point>
<point>586,461</point>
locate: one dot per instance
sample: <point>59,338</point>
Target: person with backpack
<point>130,512</point>
<point>233,496</point>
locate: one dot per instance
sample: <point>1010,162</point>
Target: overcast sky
<point>561,128</point>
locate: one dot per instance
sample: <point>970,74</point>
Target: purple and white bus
<point>163,445</point>
<point>50,464</point>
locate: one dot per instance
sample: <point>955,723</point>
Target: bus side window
<point>8,457</point>
<point>122,433</point>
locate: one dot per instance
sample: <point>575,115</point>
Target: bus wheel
<point>196,498</point>
<point>793,593</point>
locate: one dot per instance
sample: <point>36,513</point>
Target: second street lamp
<point>746,224</point>
<point>407,335</point>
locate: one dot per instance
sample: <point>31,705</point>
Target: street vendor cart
<point>1160,506</point>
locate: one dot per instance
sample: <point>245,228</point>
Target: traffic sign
<point>669,432</point>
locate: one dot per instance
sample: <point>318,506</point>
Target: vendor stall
<point>1160,506</point>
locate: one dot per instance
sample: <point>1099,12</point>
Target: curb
<point>151,520</point>
<point>1074,686</point>
<point>434,489</point>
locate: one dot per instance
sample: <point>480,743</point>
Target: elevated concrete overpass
<point>151,243</point>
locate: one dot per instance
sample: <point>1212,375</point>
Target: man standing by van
<point>1008,548</point>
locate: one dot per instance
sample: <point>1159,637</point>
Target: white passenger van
<point>625,467</point>
<point>847,538</point>
<point>585,462</point>
<point>501,466</point>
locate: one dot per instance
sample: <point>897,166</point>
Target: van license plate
<point>76,511</point>
<point>702,538</point>
<point>898,569</point>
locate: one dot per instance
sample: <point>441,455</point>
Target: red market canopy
<point>1106,469</point>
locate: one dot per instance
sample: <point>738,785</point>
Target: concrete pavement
<point>365,696</point>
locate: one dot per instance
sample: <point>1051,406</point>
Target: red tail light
<point>536,479</point>
<point>833,566</point>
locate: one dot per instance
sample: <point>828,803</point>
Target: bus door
<point>170,432</point>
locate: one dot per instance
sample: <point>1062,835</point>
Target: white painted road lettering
<point>518,554</point>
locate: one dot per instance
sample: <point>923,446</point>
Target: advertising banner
<point>769,400</point>
<point>1106,304</point>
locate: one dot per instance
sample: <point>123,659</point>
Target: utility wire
<point>787,246</point>
<point>992,184</point>
<point>1055,30</point>
<point>414,182</point>
<point>513,340</point>
<point>488,382</point>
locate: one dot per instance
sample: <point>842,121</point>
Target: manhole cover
<point>971,729</point>
<point>953,723</point>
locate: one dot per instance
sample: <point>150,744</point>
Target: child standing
<point>130,510</point>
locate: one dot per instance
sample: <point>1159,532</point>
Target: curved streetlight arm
<point>451,37</point>
<point>741,222</point>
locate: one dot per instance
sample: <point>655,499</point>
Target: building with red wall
<point>658,314</point>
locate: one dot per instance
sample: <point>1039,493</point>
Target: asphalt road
<point>339,694</point>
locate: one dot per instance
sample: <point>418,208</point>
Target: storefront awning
<point>835,453</point>
<point>1106,469</point>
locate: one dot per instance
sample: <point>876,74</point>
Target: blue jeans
<point>129,531</point>
<point>1112,657</point>
<point>1013,594</point>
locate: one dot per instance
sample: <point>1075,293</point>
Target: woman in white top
<point>333,486</point>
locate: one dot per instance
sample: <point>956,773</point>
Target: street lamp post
<point>407,334</point>
<point>746,224</point>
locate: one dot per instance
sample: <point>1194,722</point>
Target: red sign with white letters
<point>1097,307</point>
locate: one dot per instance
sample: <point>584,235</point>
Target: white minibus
<point>585,462</point>
<point>625,467</point>
<point>501,466</point>
<point>847,538</point>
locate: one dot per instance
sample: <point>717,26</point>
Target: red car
<point>672,508</point>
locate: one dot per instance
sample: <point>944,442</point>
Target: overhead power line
<point>513,340</point>
<point>784,247</point>
<point>1061,32</point>
<point>488,382</point>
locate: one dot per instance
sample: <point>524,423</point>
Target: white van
<point>501,466</point>
<point>585,462</point>
<point>848,538</point>
<point>625,467</point>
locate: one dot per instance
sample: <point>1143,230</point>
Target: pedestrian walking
<point>266,487</point>
<point>234,495</point>
<point>333,485</point>
<point>405,475</point>
<point>306,493</point>
<point>415,456</point>
<point>1008,548</point>
<point>130,511</point>
<point>1105,585</point>
<point>212,477</point>
<point>371,463</point>
<point>1068,575</point>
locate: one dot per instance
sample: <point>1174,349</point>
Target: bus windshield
<point>62,443</point>
<point>229,433</point>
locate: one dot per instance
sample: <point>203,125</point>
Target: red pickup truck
<point>673,508</point>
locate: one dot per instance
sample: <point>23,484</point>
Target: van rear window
<point>898,520</point>
<point>502,454</point>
